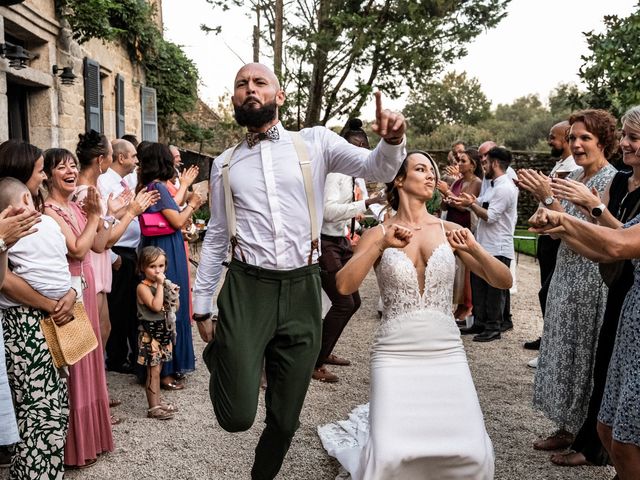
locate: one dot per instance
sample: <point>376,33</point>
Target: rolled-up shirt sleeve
<point>380,164</point>
<point>335,210</point>
<point>215,246</point>
<point>499,204</point>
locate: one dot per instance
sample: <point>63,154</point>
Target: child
<point>157,305</point>
<point>40,393</point>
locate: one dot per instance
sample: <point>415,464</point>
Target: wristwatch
<point>548,201</point>
<point>3,246</point>
<point>597,210</point>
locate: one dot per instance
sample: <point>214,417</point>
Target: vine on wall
<point>166,67</point>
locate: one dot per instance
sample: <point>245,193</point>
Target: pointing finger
<point>378,96</point>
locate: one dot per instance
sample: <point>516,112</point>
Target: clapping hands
<point>16,223</point>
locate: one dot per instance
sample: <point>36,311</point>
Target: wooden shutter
<point>92,95</point>
<point>149,114</point>
<point>119,106</point>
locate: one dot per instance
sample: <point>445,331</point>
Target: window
<point>18,112</point>
<point>149,114</point>
<point>92,96</point>
<point>119,106</point>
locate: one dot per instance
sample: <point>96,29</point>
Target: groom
<point>269,305</point>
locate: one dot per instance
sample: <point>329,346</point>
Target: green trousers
<point>273,318</point>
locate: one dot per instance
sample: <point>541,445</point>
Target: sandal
<point>570,459</point>
<point>169,407</point>
<point>159,413</point>
<point>172,385</point>
<point>116,420</point>
<point>114,403</point>
<point>558,441</point>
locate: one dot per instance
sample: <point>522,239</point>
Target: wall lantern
<point>17,55</point>
<point>65,73</point>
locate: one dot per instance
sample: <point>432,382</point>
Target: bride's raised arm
<point>369,249</point>
<point>496,273</point>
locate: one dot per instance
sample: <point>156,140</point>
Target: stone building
<point>41,103</point>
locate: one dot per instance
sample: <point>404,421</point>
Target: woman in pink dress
<point>89,419</point>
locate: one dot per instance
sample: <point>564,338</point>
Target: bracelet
<point>192,207</point>
<point>201,317</point>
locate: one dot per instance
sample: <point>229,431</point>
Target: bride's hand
<point>396,236</point>
<point>462,240</point>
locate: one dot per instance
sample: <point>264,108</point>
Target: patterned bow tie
<point>253,138</point>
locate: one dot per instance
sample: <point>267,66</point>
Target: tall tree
<point>456,99</point>
<point>339,51</point>
<point>610,71</point>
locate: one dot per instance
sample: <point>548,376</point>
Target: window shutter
<point>149,114</point>
<point>119,106</point>
<point>92,95</point>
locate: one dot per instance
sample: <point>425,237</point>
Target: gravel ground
<point>193,446</point>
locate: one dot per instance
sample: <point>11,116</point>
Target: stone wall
<point>56,112</point>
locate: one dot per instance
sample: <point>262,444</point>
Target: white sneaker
<point>533,363</point>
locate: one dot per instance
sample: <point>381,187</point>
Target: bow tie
<point>253,138</point>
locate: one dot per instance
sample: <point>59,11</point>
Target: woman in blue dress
<point>154,170</point>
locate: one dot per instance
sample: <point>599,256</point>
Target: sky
<point>537,46</point>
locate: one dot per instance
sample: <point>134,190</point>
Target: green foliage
<point>167,68</point>
<point>566,98</point>
<point>338,52</point>
<point>455,100</point>
<point>610,71</point>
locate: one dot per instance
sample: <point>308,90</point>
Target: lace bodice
<point>399,288</point>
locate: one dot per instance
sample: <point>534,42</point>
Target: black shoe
<point>473,329</point>
<point>6,452</point>
<point>487,337</point>
<point>122,368</point>
<point>533,345</point>
<point>506,327</point>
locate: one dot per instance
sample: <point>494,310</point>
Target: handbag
<point>70,342</point>
<point>155,224</point>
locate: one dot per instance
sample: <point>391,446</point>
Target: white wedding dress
<point>424,420</point>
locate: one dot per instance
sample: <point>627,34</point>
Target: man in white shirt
<point>340,207</point>
<point>122,346</point>
<point>547,248</point>
<point>269,306</point>
<point>497,215</point>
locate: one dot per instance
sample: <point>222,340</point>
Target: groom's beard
<point>248,116</point>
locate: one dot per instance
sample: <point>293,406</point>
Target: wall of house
<point>56,112</point>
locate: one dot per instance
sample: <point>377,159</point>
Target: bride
<point>424,420</point>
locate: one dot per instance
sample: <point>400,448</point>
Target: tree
<point>566,98</point>
<point>457,99</point>
<point>610,71</point>
<point>521,124</point>
<point>339,51</point>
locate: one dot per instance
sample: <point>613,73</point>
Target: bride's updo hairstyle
<point>90,146</point>
<point>393,198</point>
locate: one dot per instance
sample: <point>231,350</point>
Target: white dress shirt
<point>273,228</point>
<point>40,259</point>
<point>565,165</point>
<point>339,207</point>
<point>496,233</point>
<point>486,183</point>
<point>111,182</point>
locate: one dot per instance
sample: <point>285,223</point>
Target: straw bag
<point>70,342</point>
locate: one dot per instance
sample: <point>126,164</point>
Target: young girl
<point>158,301</point>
